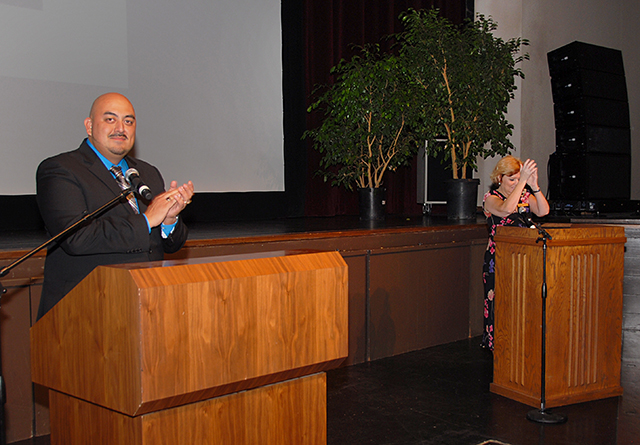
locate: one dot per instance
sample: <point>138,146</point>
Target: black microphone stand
<point>3,290</point>
<point>542,415</point>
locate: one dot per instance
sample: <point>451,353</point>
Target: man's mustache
<point>118,135</point>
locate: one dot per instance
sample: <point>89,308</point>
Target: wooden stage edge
<point>203,235</point>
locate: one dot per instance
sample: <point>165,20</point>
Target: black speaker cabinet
<point>580,55</point>
<point>590,176</point>
<point>574,84</point>
<point>593,139</point>
<point>432,174</point>
<point>591,111</point>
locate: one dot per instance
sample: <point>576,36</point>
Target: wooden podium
<point>214,350</point>
<point>585,268</point>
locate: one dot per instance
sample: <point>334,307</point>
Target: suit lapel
<point>97,168</point>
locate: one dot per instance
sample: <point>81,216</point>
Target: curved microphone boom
<point>133,177</point>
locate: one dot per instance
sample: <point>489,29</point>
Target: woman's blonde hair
<point>507,166</point>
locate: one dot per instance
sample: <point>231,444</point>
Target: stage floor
<point>441,396</point>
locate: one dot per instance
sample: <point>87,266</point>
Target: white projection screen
<point>205,78</point>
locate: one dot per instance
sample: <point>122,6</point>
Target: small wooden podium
<point>215,350</point>
<point>585,268</point>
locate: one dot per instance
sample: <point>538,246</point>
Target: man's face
<point>111,127</point>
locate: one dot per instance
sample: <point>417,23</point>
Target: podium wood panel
<point>585,267</point>
<point>291,412</point>
<point>139,338</point>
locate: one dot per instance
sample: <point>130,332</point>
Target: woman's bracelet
<point>535,191</point>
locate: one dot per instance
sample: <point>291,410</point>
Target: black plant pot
<point>372,202</point>
<point>462,195</point>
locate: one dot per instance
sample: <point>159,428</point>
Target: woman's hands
<point>537,202</point>
<point>529,173</point>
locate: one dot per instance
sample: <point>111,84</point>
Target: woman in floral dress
<point>514,191</point>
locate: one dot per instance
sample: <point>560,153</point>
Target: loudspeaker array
<point>592,160</point>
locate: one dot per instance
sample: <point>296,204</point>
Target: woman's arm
<point>537,200</point>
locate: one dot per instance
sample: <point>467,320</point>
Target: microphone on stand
<point>526,216</point>
<point>133,177</point>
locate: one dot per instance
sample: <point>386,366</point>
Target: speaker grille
<point>579,176</point>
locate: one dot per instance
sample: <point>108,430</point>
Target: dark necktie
<point>122,182</point>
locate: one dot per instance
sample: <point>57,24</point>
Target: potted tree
<point>365,131</point>
<point>464,78</point>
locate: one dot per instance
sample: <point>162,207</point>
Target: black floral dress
<point>488,270</point>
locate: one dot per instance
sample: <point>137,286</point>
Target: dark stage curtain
<point>331,27</point>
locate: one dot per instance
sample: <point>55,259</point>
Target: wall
<point>550,24</point>
<point>631,311</point>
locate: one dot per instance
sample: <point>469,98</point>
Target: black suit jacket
<point>75,183</point>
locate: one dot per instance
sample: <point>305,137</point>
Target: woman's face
<point>509,183</point>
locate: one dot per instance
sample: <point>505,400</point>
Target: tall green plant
<point>365,128</point>
<point>465,78</point>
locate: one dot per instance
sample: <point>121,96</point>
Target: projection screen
<point>205,78</point>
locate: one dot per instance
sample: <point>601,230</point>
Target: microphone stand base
<point>543,416</point>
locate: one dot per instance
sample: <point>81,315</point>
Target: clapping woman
<point>513,194</point>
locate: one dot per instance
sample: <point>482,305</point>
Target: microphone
<point>522,210</point>
<point>526,216</point>
<point>133,177</point>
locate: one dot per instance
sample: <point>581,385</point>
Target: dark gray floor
<point>441,395</point>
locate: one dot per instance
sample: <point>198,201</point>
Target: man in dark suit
<point>73,184</point>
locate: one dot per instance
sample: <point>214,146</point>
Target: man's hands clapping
<point>165,208</point>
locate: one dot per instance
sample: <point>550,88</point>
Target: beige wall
<point>550,24</point>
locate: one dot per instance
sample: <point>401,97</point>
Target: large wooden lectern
<point>220,350</point>
<point>585,268</point>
